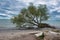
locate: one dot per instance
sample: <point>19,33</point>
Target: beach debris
<point>39,34</point>
<point>52,36</point>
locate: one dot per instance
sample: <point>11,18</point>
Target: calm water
<point>5,23</point>
<point>54,23</point>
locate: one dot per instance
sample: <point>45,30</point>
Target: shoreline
<point>17,35</point>
<point>18,30</point>
<point>20,34</point>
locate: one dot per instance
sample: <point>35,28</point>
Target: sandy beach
<point>17,34</point>
<point>20,34</point>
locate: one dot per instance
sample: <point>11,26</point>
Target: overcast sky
<point>9,8</point>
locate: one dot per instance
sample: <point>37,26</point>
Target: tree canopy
<point>32,15</point>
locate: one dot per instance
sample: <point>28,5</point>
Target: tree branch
<point>33,23</point>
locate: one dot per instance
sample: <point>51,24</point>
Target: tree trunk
<point>39,25</point>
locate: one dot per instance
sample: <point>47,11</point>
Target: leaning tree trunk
<point>39,25</point>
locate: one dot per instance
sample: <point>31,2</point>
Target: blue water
<point>6,23</point>
<point>55,23</point>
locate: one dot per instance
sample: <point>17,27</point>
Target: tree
<point>32,15</point>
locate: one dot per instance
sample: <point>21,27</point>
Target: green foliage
<point>33,15</point>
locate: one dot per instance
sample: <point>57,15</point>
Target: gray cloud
<point>12,7</point>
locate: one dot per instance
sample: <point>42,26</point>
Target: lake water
<point>6,23</point>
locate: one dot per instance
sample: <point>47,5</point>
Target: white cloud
<point>57,16</point>
<point>55,9</point>
<point>58,11</point>
<point>7,11</point>
<point>10,12</point>
<point>39,2</point>
<point>20,4</point>
<point>53,2</point>
<point>26,1</point>
<point>3,14</point>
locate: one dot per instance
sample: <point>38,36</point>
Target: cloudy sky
<point>9,8</point>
